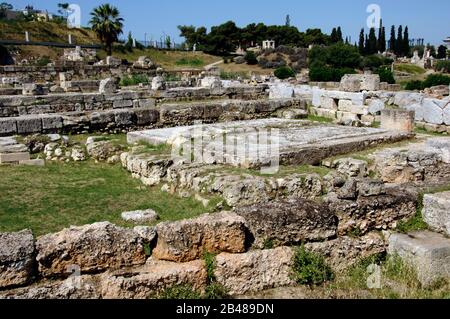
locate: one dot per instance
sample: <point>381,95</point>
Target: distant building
<point>447,42</point>
<point>268,44</point>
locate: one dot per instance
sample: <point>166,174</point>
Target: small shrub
<point>233,75</point>
<point>190,62</point>
<point>414,85</point>
<point>284,73</point>
<point>179,292</point>
<point>135,79</point>
<point>443,66</point>
<point>250,58</point>
<point>310,268</point>
<point>436,79</point>
<point>43,61</point>
<point>215,291</point>
<point>386,75</point>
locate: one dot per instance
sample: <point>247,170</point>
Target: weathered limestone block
<point>158,83</point>
<point>345,105</point>
<point>73,288</point>
<point>122,104</point>
<point>446,115</point>
<point>124,117</point>
<point>428,253</point>
<point>8,126</point>
<point>187,240</point>
<point>436,212</point>
<point>16,258</point>
<point>397,120</point>
<point>102,150</point>
<point>346,251</point>
<point>404,99</point>
<point>288,222</point>
<point>375,106</point>
<point>351,167</point>
<point>442,146</point>
<point>29,124</point>
<point>149,169</point>
<point>281,91</point>
<point>368,213</point>
<point>51,123</point>
<point>255,271</point>
<point>212,82</point>
<point>94,248</point>
<point>146,116</point>
<point>32,89</point>
<point>417,109</point>
<point>14,157</point>
<point>360,82</point>
<point>432,112</point>
<point>140,216</point>
<point>147,103</point>
<point>328,103</point>
<point>108,86</point>
<point>152,279</point>
<point>101,118</point>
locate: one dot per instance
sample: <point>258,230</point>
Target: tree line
<point>226,37</point>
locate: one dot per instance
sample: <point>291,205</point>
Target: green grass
<point>419,130</point>
<point>409,68</point>
<point>48,199</point>
<point>224,75</point>
<point>310,268</point>
<point>319,119</point>
<point>193,62</point>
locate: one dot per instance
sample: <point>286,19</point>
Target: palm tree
<point>107,24</point>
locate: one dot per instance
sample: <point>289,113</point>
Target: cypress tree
<point>372,48</point>
<point>339,35</point>
<point>399,43</point>
<point>361,42</point>
<point>381,38</point>
<point>392,41</point>
<point>334,36</point>
<point>406,46</point>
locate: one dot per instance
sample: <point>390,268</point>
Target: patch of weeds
<point>172,78</point>
<point>355,232</point>
<point>144,147</point>
<point>181,292</point>
<point>148,250</point>
<point>268,244</point>
<point>310,268</point>
<point>194,62</point>
<point>233,75</point>
<point>419,130</point>
<point>134,79</point>
<point>416,222</point>
<point>376,124</point>
<point>358,274</point>
<point>213,290</point>
<point>319,119</point>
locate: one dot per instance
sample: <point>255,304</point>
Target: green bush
<point>414,85</point>
<point>310,268</point>
<point>328,74</point>
<point>443,66</point>
<point>436,79</point>
<point>431,80</point>
<point>190,62</point>
<point>284,73</point>
<point>336,56</point>
<point>386,75</point>
<point>135,79</point>
<point>250,58</point>
<point>43,61</point>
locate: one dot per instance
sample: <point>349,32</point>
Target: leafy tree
<point>107,24</point>
<point>386,75</point>
<point>392,40</point>
<point>442,52</point>
<point>4,7</point>
<point>63,9</point>
<point>168,42</point>
<point>284,72</point>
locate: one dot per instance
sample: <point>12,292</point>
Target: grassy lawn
<point>48,199</point>
<point>409,68</point>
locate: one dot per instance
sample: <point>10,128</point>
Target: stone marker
<point>108,86</point>
<point>141,216</point>
<point>397,120</point>
<point>436,212</point>
<point>33,162</point>
<point>428,253</point>
<point>14,157</point>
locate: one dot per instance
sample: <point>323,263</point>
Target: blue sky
<point>426,19</point>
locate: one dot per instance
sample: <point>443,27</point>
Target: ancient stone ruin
<point>285,179</point>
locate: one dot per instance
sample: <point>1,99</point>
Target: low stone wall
<point>177,248</point>
<point>130,114</point>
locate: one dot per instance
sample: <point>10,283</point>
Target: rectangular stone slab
<point>299,142</point>
<point>14,157</point>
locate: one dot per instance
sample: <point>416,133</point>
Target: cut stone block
<point>328,103</point>
<point>397,120</point>
<point>8,126</point>
<point>141,216</point>
<point>52,122</point>
<point>16,258</point>
<point>33,162</point>
<point>428,253</point>
<point>14,157</point>
<point>31,124</point>
<point>436,212</point>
